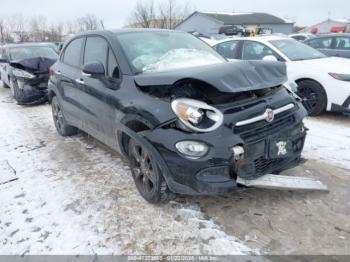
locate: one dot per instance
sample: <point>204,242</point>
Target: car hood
<point>37,64</point>
<point>236,76</point>
<point>330,64</point>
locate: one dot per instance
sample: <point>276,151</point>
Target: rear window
<point>72,52</point>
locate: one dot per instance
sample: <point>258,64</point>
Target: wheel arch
<point>51,94</point>
<point>313,80</point>
<point>136,124</point>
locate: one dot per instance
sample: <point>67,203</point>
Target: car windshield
<point>158,51</point>
<point>296,51</point>
<point>26,52</point>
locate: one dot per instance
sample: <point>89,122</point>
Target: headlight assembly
<point>196,115</point>
<point>341,77</point>
<point>22,74</point>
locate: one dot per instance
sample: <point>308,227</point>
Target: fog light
<point>238,152</point>
<point>192,149</point>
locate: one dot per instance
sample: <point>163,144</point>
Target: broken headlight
<point>196,115</point>
<point>22,74</point>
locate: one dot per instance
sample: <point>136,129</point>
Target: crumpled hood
<point>236,76</point>
<point>37,64</point>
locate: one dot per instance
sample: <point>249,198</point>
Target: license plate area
<point>279,147</point>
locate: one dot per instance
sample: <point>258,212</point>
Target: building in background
<point>208,23</point>
<point>329,26</point>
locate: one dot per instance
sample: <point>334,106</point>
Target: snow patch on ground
<point>327,142</point>
<point>72,197</point>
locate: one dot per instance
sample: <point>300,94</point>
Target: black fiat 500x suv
<point>189,121</point>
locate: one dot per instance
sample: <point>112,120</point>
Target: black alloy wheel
<point>147,177</point>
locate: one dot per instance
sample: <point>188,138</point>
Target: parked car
<point>302,36</point>
<point>189,121</point>
<point>231,30</point>
<point>323,82</point>
<point>25,69</point>
<point>332,44</point>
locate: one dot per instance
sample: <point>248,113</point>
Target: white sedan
<point>323,82</point>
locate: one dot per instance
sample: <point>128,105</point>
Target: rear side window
<point>227,49</point>
<point>96,50</point>
<point>342,43</point>
<point>325,42</point>
<point>72,52</point>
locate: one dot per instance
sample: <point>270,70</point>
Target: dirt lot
<point>74,196</point>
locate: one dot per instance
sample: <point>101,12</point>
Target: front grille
<point>263,165</point>
<point>260,130</point>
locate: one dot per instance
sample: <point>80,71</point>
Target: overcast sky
<point>115,13</point>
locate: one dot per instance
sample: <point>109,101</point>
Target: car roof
<point>263,38</point>
<point>334,34</point>
<point>26,45</point>
<point>123,31</point>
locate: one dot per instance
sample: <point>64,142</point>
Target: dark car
<point>188,121</point>
<point>332,44</point>
<point>25,69</point>
<point>231,30</point>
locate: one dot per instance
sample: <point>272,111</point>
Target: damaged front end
<point>29,80</point>
<point>232,120</point>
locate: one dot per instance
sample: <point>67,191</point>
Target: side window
<point>72,52</point>
<point>256,51</point>
<point>227,49</point>
<point>96,49</point>
<point>342,42</point>
<point>320,42</point>
<point>113,70</point>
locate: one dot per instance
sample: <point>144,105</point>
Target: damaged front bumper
<point>30,92</point>
<point>218,170</point>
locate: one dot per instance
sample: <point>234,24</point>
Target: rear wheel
<point>60,123</point>
<point>146,174</point>
<point>313,96</point>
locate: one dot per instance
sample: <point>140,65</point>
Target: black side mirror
<point>3,60</point>
<point>95,69</point>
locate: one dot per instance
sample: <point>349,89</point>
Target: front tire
<point>313,96</point>
<point>147,176</point>
<point>60,123</point>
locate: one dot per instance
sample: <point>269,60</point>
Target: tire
<point>60,123</point>
<point>314,97</point>
<point>147,176</point>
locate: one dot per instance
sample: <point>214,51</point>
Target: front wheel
<point>60,123</point>
<point>313,96</point>
<point>146,174</point>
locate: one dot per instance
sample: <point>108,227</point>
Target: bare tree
<point>174,13</point>
<point>2,31</point>
<point>168,15</point>
<point>38,28</point>
<point>143,15</point>
<point>17,24</point>
<point>88,22</point>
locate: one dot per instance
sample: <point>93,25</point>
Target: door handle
<point>79,81</point>
<point>58,72</point>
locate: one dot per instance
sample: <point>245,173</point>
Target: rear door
<point>66,72</point>
<point>342,46</point>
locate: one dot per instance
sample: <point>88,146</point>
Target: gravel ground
<point>74,196</point>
